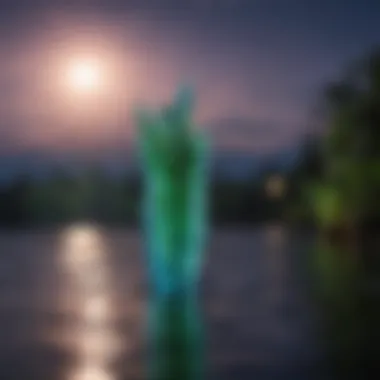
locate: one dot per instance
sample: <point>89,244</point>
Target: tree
<point>351,147</point>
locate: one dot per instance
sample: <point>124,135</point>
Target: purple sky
<point>256,65</point>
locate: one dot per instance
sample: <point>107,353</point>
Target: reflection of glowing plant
<point>174,206</point>
<point>176,337</point>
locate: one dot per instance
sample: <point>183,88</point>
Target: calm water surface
<point>73,304</point>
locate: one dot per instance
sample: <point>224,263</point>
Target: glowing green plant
<point>174,161</point>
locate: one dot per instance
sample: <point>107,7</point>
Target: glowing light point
<point>83,76</point>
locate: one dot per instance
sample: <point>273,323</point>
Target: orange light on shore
<point>276,187</point>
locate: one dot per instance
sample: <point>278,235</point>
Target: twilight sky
<point>256,65</point>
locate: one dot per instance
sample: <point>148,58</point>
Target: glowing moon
<point>83,76</point>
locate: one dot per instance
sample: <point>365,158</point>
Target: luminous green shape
<point>175,161</point>
<point>174,157</point>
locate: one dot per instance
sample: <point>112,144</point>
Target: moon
<point>84,76</point>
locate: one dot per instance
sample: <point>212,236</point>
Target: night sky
<point>256,65</point>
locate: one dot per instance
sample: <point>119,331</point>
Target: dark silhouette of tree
<point>351,147</point>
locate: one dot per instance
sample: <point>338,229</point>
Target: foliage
<point>345,191</point>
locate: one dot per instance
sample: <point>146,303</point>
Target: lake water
<point>260,323</point>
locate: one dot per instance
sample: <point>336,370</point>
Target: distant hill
<point>225,164</point>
